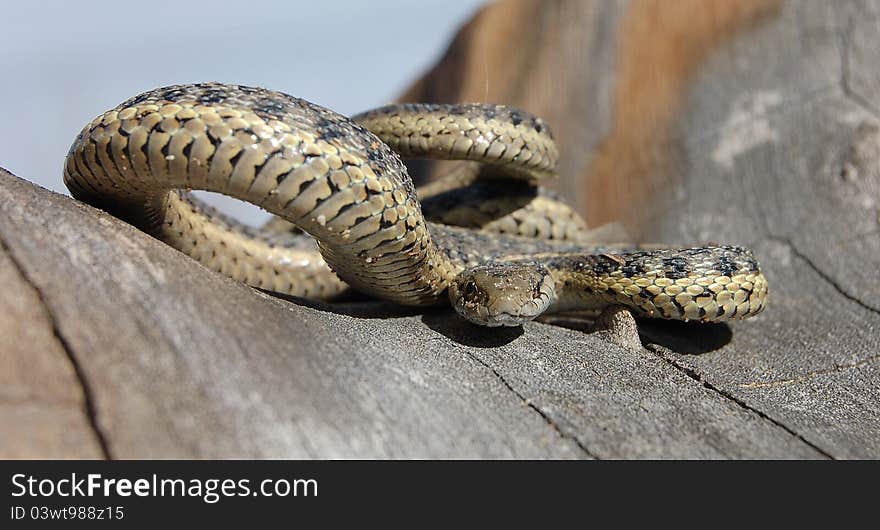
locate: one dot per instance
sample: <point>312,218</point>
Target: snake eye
<point>470,288</point>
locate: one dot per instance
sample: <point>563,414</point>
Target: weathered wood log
<point>753,122</point>
<point>747,122</point>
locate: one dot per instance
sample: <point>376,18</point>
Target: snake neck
<point>708,284</point>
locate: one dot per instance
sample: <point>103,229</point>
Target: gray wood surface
<point>113,345</point>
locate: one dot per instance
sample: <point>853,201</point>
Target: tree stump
<point>751,122</point>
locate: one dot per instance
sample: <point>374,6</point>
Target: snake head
<point>502,294</point>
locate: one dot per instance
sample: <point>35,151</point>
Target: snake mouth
<point>481,316</point>
<point>505,320</point>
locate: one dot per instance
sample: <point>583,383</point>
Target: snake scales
<point>342,181</point>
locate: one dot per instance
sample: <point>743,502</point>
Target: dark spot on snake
<point>302,187</point>
<point>235,158</point>
<point>375,155</point>
<point>516,118</point>
<point>108,150</point>
<point>345,208</point>
<point>269,108</point>
<point>675,267</point>
<point>633,268</point>
<point>359,220</point>
<point>258,167</point>
<point>251,90</point>
<point>678,306</point>
<point>379,167</point>
<point>409,247</point>
<point>603,265</point>
<point>726,266</point>
<point>330,133</point>
<point>211,97</point>
<point>457,110</point>
<point>328,129</point>
<point>578,267</point>
<point>280,178</point>
<point>135,100</point>
<point>187,149</point>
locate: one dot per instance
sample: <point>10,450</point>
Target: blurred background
<point>66,62</point>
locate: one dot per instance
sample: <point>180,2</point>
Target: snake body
<point>343,182</point>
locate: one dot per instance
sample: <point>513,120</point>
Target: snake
<point>343,181</point>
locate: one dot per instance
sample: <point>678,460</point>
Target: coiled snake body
<point>342,181</point>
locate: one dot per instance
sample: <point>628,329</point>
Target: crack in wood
<point>696,376</point>
<point>88,398</point>
<point>822,274</point>
<point>808,376</point>
<point>848,90</point>
<point>530,404</point>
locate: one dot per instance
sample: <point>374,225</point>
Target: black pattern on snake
<point>343,182</point>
